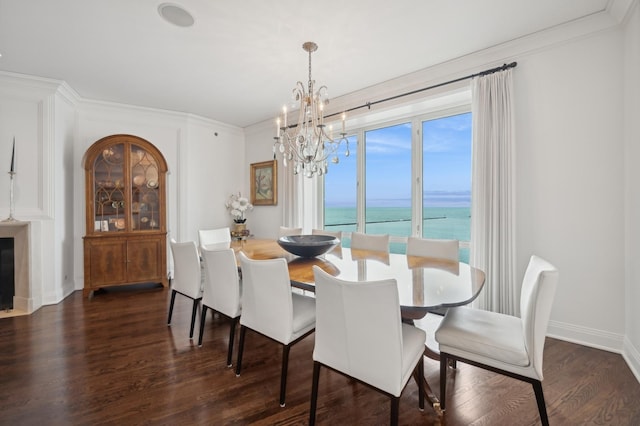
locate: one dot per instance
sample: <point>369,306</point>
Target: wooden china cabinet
<point>126,232</point>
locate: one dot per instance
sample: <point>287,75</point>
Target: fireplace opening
<point>7,274</point>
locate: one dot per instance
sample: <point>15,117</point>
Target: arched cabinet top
<point>98,147</point>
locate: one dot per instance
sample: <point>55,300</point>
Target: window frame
<point>450,104</point>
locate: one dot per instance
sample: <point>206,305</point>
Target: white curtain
<point>492,193</point>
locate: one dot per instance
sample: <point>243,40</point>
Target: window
<point>340,189</point>
<point>413,178</point>
<point>446,179</point>
<point>388,181</point>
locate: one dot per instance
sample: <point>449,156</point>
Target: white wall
<point>215,168</point>
<point>631,71</point>
<point>569,181</point>
<point>264,221</point>
<point>27,113</point>
<point>63,195</point>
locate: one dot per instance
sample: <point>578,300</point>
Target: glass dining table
<point>424,284</point>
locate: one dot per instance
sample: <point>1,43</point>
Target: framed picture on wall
<point>264,183</point>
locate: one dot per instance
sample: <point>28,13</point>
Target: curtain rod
<point>413,92</point>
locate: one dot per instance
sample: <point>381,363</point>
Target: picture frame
<point>264,183</point>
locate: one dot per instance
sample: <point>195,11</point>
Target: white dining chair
<point>271,309</point>
<point>187,277</point>
<point>371,242</point>
<point>505,344</point>
<point>336,234</point>
<point>439,249</point>
<point>221,291</point>
<point>360,334</point>
<point>212,239</point>
<point>285,231</point>
<point>436,248</point>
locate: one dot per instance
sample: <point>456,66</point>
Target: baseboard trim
<point>631,355</point>
<point>599,339</point>
<point>611,342</point>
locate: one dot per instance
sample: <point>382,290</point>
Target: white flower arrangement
<point>237,206</point>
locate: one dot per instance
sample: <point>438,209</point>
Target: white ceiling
<point>241,59</point>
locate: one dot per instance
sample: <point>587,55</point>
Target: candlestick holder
<point>11,205</point>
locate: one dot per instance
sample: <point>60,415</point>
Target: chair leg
<point>193,317</point>
<point>542,408</point>
<point>314,393</point>
<point>443,379</point>
<point>243,331</point>
<point>173,299</point>
<point>395,408</point>
<point>232,335</point>
<point>283,374</point>
<point>420,367</point>
<point>202,319</point>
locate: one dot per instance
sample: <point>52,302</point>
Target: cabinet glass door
<point>109,190</point>
<point>145,214</point>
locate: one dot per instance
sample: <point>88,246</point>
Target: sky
<point>446,164</point>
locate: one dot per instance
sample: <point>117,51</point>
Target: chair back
<point>221,282</point>
<point>267,306</point>
<point>358,329</point>
<point>284,231</point>
<point>436,248</point>
<point>187,275</point>
<point>213,239</point>
<point>536,299</point>
<point>336,234</point>
<point>360,241</point>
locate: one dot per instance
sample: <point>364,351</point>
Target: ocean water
<point>438,222</point>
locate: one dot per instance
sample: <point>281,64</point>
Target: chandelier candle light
<point>307,145</point>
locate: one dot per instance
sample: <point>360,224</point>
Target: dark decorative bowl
<point>308,245</point>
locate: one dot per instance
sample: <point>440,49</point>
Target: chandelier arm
<point>298,91</point>
<point>314,107</point>
<point>299,97</point>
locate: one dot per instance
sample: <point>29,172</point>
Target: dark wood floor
<point>113,360</point>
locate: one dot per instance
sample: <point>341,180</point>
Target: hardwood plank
<point>113,360</point>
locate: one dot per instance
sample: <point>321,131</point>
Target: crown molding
<point>620,9</point>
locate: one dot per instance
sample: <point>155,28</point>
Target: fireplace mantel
<point>21,233</point>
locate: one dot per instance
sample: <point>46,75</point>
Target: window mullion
<point>416,167</point>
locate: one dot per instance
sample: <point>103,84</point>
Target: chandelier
<point>307,146</point>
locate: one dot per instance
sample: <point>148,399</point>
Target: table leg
<point>432,399</point>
